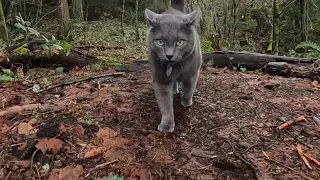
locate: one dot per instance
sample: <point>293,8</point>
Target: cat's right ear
<point>151,17</point>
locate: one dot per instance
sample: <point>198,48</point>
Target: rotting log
<point>291,70</point>
<point>76,58</point>
<point>250,61</point>
<point>270,64</point>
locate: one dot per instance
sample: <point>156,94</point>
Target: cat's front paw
<point>166,127</point>
<point>186,102</point>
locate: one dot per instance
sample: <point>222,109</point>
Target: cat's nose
<point>169,57</point>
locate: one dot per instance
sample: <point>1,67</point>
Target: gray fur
<point>170,27</point>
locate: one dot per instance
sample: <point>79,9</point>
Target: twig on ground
<point>32,158</point>
<point>254,170</point>
<point>103,165</point>
<point>8,175</point>
<point>202,154</point>
<point>250,147</point>
<point>298,140</point>
<point>290,168</point>
<point>81,80</point>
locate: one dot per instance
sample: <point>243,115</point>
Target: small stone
<point>316,119</point>
<point>57,164</point>
<point>283,119</point>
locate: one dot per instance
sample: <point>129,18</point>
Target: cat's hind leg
<point>188,89</point>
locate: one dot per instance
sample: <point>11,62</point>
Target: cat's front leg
<point>188,89</point>
<point>164,95</point>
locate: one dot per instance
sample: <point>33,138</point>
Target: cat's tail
<point>178,5</point>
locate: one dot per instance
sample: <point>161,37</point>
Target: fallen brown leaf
<point>18,109</point>
<point>24,128</point>
<point>67,173</point>
<point>265,155</point>
<point>52,144</point>
<point>95,152</point>
<point>24,164</point>
<point>32,121</point>
<point>305,160</point>
<point>312,159</point>
<point>315,84</point>
<point>302,118</point>
<point>79,130</point>
<point>106,133</point>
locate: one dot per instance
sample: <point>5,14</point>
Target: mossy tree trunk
<point>77,10</point>
<point>136,21</point>
<point>64,16</point>
<point>3,27</point>
<point>275,27</point>
<point>304,22</point>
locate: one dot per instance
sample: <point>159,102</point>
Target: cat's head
<point>171,36</point>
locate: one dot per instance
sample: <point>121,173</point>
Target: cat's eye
<point>180,42</point>
<point>160,42</point>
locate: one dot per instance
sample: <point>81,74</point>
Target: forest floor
<point>107,126</point>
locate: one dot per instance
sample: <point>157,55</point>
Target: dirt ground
<point>107,126</point>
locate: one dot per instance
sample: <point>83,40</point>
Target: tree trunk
<point>77,10</point>
<point>3,27</point>
<point>234,13</point>
<point>304,23</point>
<point>122,17</point>
<point>276,27</point>
<point>9,11</point>
<point>64,16</point>
<point>137,22</point>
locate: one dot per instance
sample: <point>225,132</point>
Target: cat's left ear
<point>151,17</point>
<point>193,17</point>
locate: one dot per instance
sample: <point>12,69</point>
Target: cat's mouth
<point>169,62</point>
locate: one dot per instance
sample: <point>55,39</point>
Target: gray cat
<point>175,57</point>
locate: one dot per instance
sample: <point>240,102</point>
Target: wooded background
<point>266,26</point>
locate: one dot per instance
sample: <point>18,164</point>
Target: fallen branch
<point>288,123</point>
<point>81,80</point>
<point>99,166</point>
<point>285,166</point>
<point>254,170</point>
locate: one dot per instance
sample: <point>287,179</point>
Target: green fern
<point>309,49</point>
<point>314,47</point>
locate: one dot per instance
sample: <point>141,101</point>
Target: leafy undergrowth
<point>106,41</point>
<point>106,128</point>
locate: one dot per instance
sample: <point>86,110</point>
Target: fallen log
<point>249,61</point>
<point>76,58</point>
<point>291,70</point>
<point>270,64</point>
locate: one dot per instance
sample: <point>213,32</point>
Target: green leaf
<point>5,78</point>
<point>20,26</point>
<point>44,47</point>
<point>33,31</point>
<point>66,46</point>
<point>56,46</point>
<point>53,38</point>
<point>28,23</point>
<point>18,38</point>
<point>22,50</point>
<point>7,72</point>
<point>60,69</point>
<point>43,37</point>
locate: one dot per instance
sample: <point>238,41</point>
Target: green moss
<point>206,46</point>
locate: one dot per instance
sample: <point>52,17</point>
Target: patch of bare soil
<point>97,128</point>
